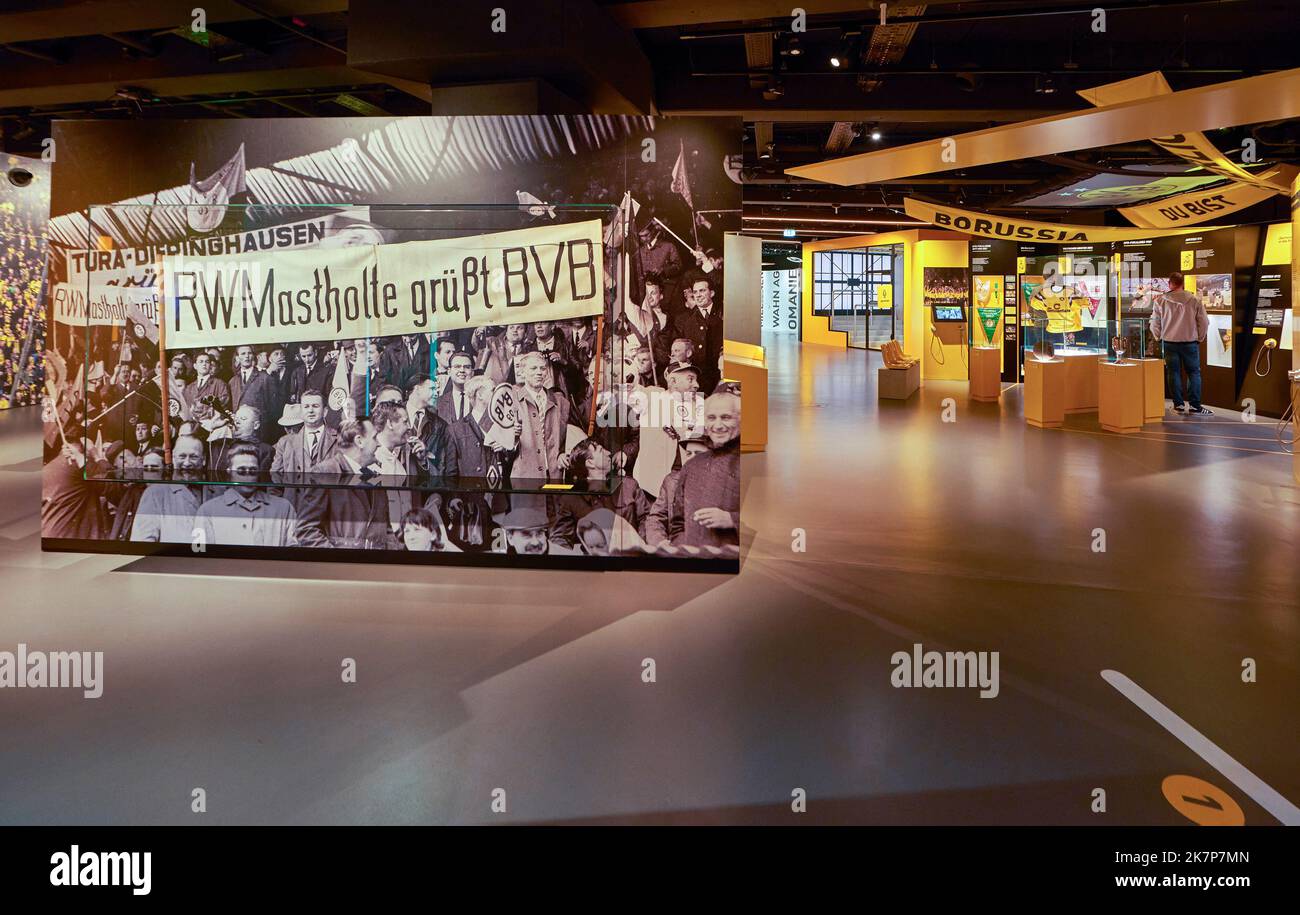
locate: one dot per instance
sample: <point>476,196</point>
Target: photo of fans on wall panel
<point>473,335</point>
<point>24,211</point>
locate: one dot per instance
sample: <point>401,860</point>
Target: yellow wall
<point>1295,316</point>
<point>921,248</point>
<point>936,253</point>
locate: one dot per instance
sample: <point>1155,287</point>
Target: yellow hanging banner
<point>1195,206</point>
<point>989,226</point>
<point>1193,146</point>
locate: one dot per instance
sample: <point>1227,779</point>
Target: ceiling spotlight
<point>1045,84</point>
<point>767,151</point>
<point>774,89</point>
<point>875,132</point>
<point>837,60</point>
<point>793,47</point>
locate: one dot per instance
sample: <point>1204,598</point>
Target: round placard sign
<point>503,406</point>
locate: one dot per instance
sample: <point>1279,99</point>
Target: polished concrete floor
<point>976,534</point>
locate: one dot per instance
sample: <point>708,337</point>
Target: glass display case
<point>1067,313</point>
<point>356,371</point>
<point>336,377</point>
<point>1131,338</point>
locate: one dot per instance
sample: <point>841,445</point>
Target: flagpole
<point>595,376</point>
<point>162,368</point>
<point>685,191</point>
<point>664,226</point>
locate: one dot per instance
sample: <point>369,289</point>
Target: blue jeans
<point>1179,358</point>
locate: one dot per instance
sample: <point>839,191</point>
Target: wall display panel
<point>24,211</point>
<point>947,292</point>
<point>1207,261</point>
<point>487,340</point>
<point>1214,289</point>
<point>1264,349</point>
<point>1218,341</point>
<point>993,271</point>
<point>1274,297</point>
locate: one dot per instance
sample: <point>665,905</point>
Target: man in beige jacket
<point>1180,322</point>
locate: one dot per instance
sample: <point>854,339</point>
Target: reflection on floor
<point>978,534</point>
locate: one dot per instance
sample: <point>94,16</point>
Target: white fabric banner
<point>547,273</point>
<point>106,305</point>
<point>780,301</point>
<point>102,284</point>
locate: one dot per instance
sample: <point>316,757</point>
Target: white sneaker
<point>1180,408</point>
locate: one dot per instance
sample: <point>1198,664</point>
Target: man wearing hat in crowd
<point>682,378</point>
<point>526,527</point>
<point>660,526</point>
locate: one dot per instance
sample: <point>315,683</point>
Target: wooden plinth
<point>898,384</point>
<point>1080,381</point>
<point>752,375</point>
<point>985,373</point>
<point>1120,393</point>
<point>1153,389</point>
<point>1044,392</point>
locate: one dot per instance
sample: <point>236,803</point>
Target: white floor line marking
<point>1202,746</point>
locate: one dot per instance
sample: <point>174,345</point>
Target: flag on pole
<point>533,205</point>
<point>341,385</point>
<point>622,221</point>
<point>210,197</point>
<point>680,183</point>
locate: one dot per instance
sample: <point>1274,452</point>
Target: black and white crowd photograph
<point>605,434</point>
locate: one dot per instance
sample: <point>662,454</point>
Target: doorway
<point>861,291</point>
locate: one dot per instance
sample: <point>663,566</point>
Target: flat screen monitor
<point>949,313</point>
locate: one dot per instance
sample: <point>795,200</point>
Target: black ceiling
<point>935,70</point>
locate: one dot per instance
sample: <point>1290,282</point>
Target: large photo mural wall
<point>593,422</point>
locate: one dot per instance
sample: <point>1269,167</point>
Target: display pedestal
<point>1153,389</point>
<point>898,384</point>
<point>1080,381</point>
<point>985,373</point>
<point>747,364</point>
<point>1045,393</point>
<point>1120,389</point>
